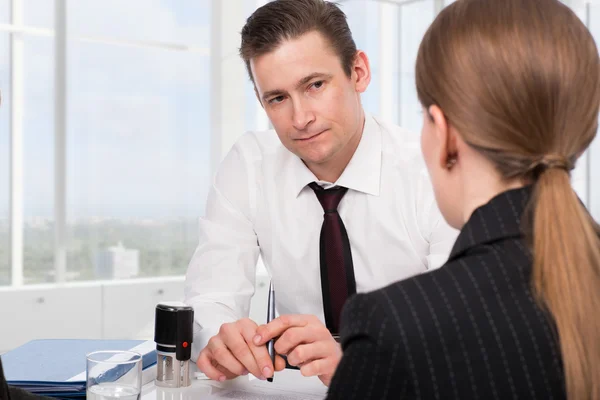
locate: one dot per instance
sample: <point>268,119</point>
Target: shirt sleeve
<point>221,275</point>
<point>439,234</point>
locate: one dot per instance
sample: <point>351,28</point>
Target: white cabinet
<point>128,306</point>
<point>49,312</point>
<point>96,310</point>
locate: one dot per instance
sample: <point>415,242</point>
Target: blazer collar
<point>498,219</point>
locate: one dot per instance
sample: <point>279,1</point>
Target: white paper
<point>287,385</point>
<point>263,394</point>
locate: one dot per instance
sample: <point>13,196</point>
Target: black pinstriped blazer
<point>466,331</point>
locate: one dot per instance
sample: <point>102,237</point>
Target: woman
<point>511,92</point>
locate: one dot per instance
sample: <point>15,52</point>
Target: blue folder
<point>46,366</point>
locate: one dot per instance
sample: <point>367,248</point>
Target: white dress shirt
<point>260,204</point>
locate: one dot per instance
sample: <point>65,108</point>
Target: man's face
<point>313,105</point>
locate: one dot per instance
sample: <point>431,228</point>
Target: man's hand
<point>306,342</point>
<point>232,353</point>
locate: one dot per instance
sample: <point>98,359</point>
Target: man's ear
<point>258,97</point>
<point>445,136</point>
<point>361,71</point>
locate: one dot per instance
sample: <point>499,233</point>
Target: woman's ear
<point>445,136</point>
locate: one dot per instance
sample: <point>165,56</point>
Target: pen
<point>271,317</point>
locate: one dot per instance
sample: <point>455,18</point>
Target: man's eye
<point>317,84</point>
<point>276,100</point>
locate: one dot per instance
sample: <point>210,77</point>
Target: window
<point>5,271</point>
<point>138,137</point>
<point>255,116</point>
<point>38,159</point>
<point>362,15</point>
<point>392,51</point>
<point>593,180</point>
<point>137,151</point>
<point>413,26</point>
<point>4,13</point>
<point>38,13</point>
<point>181,22</point>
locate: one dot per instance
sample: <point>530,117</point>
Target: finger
<point>279,363</point>
<point>228,374</point>
<point>294,337</point>
<point>317,367</point>
<point>263,360</point>
<point>260,355</point>
<point>305,353</point>
<point>222,355</point>
<point>276,327</point>
<point>206,366</point>
<point>233,338</point>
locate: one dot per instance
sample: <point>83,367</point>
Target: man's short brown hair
<point>281,20</point>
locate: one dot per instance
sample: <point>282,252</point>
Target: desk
<point>288,384</point>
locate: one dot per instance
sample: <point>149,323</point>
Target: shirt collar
<point>362,173</point>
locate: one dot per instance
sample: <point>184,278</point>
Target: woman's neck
<point>481,190</point>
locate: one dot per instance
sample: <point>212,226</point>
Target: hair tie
<point>552,161</point>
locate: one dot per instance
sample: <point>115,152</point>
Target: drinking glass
<point>114,375</point>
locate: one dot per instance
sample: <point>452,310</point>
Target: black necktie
<point>337,271</point>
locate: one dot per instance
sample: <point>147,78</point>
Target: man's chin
<point>312,159</point>
<point>314,155</point>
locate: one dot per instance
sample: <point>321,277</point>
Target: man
<point>335,201</point>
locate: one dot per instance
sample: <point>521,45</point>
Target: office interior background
<point>114,117</point>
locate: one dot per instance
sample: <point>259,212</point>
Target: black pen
<point>271,317</point>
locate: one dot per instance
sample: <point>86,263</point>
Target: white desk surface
<point>287,385</point>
